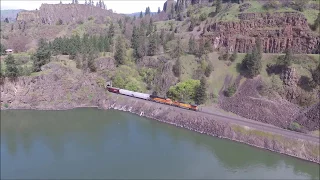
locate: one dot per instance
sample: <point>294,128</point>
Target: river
<point>88,143</point>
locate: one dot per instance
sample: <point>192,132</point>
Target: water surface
<point>94,144</point>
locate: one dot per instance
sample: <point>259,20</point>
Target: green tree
<point>192,45</point>
<point>208,70</point>
<point>162,37</point>
<point>207,47</point>
<point>91,64</point>
<point>11,67</point>
<point>231,90</point>
<point>111,30</point>
<point>178,50</point>
<point>201,94</point>
<point>184,91</point>
<point>147,12</point>
<point>120,51</point>
<point>2,49</point>
<point>300,4</point>
<point>176,68</point>
<point>252,61</point>
<point>234,56</point>
<point>152,48</point>
<point>141,15</point>
<point>218,6</point>
<point>159,10</point>
<point>42,56</point>
<point>316,75</point>
<point>287,59</point>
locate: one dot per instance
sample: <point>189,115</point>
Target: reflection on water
<point>89,143</point>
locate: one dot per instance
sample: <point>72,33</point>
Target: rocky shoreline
<point>205,124</point>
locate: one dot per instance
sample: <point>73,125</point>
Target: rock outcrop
<point>63,13</point>
<point>277,31</point>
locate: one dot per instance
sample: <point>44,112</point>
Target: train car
<point>113,90</point>
<point>161,100</point>
<point>134,94</point>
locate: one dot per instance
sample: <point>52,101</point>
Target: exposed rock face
<point>278,31</point>
<point>67,13</point>
<point>310,118</point>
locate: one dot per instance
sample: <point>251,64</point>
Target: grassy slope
<point>256,7</point>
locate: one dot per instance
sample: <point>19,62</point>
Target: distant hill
<point>11,14</point>
<point>138,14</point>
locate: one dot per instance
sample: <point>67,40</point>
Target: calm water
<point>90,143</point>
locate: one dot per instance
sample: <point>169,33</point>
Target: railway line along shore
<point>249,132</point>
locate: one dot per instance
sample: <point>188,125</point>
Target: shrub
<point>231,90</point>
<point>208,70</point>
<point>59,22</point>
<point>6,105</point>
<point>203,16</point>
<point>271,4</point>
<point>90,18</point>
<point>233,56</point>
<point>295,126</point>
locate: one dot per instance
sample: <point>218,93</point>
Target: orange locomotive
<point>174,103</point>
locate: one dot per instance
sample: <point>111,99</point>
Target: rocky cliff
<point>65,13</point>
<point>278,31</point>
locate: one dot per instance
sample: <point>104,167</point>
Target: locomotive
<point>153,98</point>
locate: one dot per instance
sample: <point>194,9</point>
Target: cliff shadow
<point>305,83</point>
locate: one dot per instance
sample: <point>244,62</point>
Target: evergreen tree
<point>252,61</point>
<point>6,20</point>
<point>207,46</point>
<point>159,10</point>
<point>120,23</point>
<point>178,51</point>
<point>147,12</point>
<point>91,64</point>
<point>42,56</point>
<point>111,30</point>
<point>192,45</point>
<point>218,6</point>
<point>152,48</point>
<point>201,95</point>
<point>120,51</point>
<point>11,67</point>
<point>172,11</point>
<point>208,70</point>
<point>316,75</point>
<point>60,2</point>
<point>234,56</point>
<point>150,27</point>
<point>2,49</point>
<point>287,59</point>
<point>201,50</point>
<point>85,2</point>
<point>162,37</point>
<point>76,1</point>
<point>141,15</point>
<point>176,68</point>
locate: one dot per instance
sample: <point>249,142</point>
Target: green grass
<point>189,65</point>
<point>40,73</point>
<point>316,133</point>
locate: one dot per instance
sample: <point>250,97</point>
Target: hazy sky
<point>119,6</point>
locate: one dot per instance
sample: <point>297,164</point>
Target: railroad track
<point>267,127</point>
<point>249,123</point>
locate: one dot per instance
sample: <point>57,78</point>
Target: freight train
<point>153,98</point>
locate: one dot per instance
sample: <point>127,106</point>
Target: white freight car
<point>134,94</point>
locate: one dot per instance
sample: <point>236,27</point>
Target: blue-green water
<point>94,144</point>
